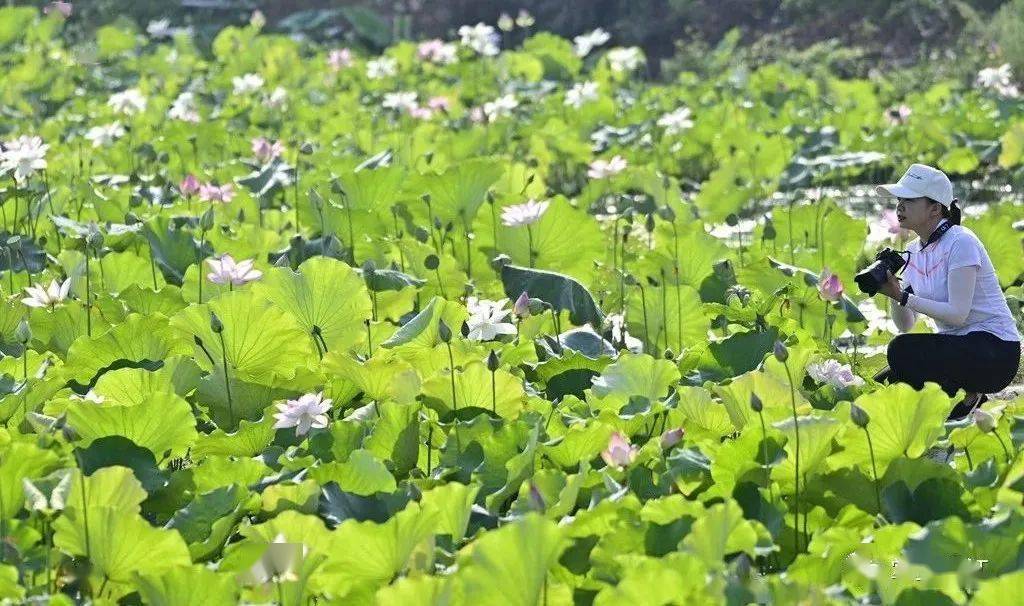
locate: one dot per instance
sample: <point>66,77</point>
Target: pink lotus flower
<point>892,223</point>
<point>620,452</point>
<point>339,58</point>
<point>439,103</point>
<point>264,150</point>
<point>437,51</point>
<point>897,115</point>
<point>420,113</point>
<point>671,437</point>
<point>208,192</point>
<point>64,8</point>
<point>521,308</point>
<point>189,185</point>
<point>226,271</point>
<point>830,287</point>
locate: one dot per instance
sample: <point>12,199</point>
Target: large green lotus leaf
<point>138,341</point>
<point>649,581</point>
<point>373,191</point>
<point>262,343</point>
<point>379,378</point>
<point>720,196</point>
<point>558,290</point>
<point>509,566</point>
<point>117,271</point>
<point>144,300</point>
<point>417,341</point>
<point>702,417</point>
<point>173,249</point>
<point>457,193</point>
<point>114,487</point>
<point>249,439</point>
<point>362,474</point>
<point>325,293</point>
<point>20,461</point>
<point>565,240</point>
<point>395,436</point>
<point>216,471</point>
<point>473,389</point>
<point>580,443</point>
<point>1012,149</point>
<point>187,586</point>
<point>133,386</point>
<point>11,313</point>
<point>248,400</point>
<point>994,592</point>
<point>774,394</point>
<point>60,328</point>
<point>448,280</point>
<point>904,423</point>
<point>209,518</point>
<point>950,544</point>
<point>119,544</point>
<point>721,531</point>
<point>687,244</point>
<point>636,375</point>
<point>1002,242</point>
<point>163,424</point>
<point>421,590</point>
<point>674,317</point>
<point>453,503</point>
<point>816,435</point>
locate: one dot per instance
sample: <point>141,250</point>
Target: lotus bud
<point>755,403</point>
<point>536,306</point>
<point>431,262</point>
<point>493,361</point>
<point>369,271</point>
<point>669,354</point>
<point>666,213</point>
<point>437,223</point>
<point>649,223</point>
<point>521,308</point>
<point>444,332</point>
<point>619,452</point>
<point>769,230</point>
<point>421,235</point>
<point>780,351</point>
<point>490,197</point>
<point>95,238</point>
<point>984,420</point>
<point>732,220</point>
<point>206,220</point>
<point>859,416</point>
<point>671,437</point>
<point>23,333</point>
<point>306,148</point>
<point>536,499</point>
<point>464,329</point>
<point>215,324</point>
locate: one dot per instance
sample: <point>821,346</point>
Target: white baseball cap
<point>921,180</point>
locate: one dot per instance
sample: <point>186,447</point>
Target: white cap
<point>921,180</point>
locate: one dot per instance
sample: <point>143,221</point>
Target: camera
<point>872,277</point>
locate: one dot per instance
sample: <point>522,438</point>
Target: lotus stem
<point>796,461</point>
<point>227,382</point>
<point>1002,445</point>
<point>874,471</point>
<point>529,238</point>
<point>764,454</point>
<point>88,295</point>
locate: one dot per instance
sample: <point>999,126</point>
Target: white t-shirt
<point>927,272</point>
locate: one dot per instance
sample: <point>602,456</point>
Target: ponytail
<point>953,213</point>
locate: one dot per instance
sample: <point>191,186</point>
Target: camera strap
<point>938,233</point>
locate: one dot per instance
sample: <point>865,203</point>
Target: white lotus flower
<point>999,79</point>
<point>23,156</point>
<point>602,169</point>
<point>676,121</point>
<point>277,98</point>
<point>438,52</point>
<point>487,319</point>
<point>502,106</point>
<point>527,213</point>
<point>247,83</point>
<point>184,108</point>
<point>621,335</point>
<point>339,58</point>
<point>128,102</point>
<point>102,136</point>
<point>48,296</point>
<point>625,59</point>
<point>524,19</point>
<point>481,38</point>
<point>399,101</point>
<point>227,271</point>
<point>160,28</point>
<point>309,411</point>
<point>580,93</point>
<point>587,42</point>
<point>382,67</point>
<point>833,373</point>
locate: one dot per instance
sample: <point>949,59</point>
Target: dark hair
<point>952,213</point>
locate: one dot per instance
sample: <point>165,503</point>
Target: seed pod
<point>444,332</point>
<point>431,262</point>
<point>536,306</point>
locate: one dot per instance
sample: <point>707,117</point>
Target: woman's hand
<point>892,288</point>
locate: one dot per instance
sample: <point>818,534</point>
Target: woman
<point>977,347</point>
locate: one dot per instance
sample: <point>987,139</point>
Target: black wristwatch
<point>906,297</point>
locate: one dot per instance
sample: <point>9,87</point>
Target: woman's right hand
<point>892,288</point>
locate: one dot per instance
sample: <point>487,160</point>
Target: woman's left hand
<point>892,288</point>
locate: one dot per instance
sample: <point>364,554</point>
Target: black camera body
<point>872,277</point>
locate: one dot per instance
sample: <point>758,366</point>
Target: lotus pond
<point>462,324</point>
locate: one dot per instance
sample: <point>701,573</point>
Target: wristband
<point>904,298</point>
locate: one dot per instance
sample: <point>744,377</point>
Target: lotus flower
<point>227,271</point>
<point>832,372</point>
<point>189,186</point>
<point>247,83</point>
<point>184,108</point>
<point>587,42</point>
<point>277,98</point>
<point>23,156</point>
<point>208,192</point>
<point>128,102</point>
<point>481,38</point>
<point>524,19</point>
<point>602,169</point>
<point>830,287</point>
<point>102,136</point>
<point>506,23</point>
<point>439,103</point>
<point>487,319</point>
<point>437,51</point>
<point>61,8</point>
<point>399,101</point>
<point>620,452</point>
<point>580,93</point>
<point>500,107</point>
<point>521,308</point>
<point>339,58</point>
<point>264,150</point>
<point>49,296</point>
<point>625,59</point>
<point>897,115</point>
<point>527,213</point>
<point>676,121</point>
<point>309,411</point>
<point>671,437</point>
<point>381,68</point>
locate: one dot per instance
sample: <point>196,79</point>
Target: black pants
<point>976,362</point>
